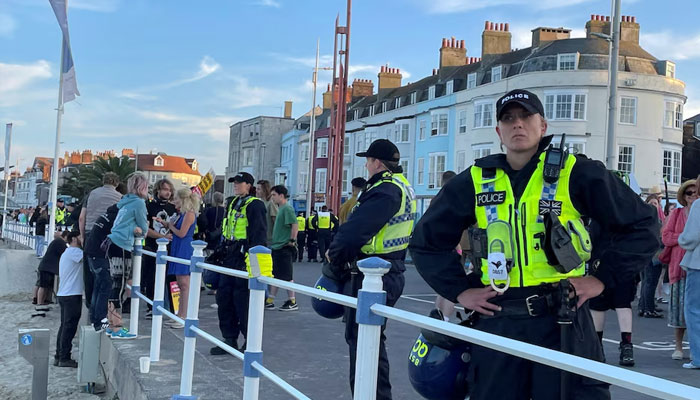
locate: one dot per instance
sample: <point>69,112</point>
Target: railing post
<point>370,326</point>
<point>192,320</point>
<point>256,312</point>
<point>158,293</point>
<point>136,257</point>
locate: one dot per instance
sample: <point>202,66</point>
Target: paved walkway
<point>310,352</point>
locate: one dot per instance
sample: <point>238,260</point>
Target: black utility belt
<point>535,305</point>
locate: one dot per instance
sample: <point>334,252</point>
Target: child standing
<point>70,295</point>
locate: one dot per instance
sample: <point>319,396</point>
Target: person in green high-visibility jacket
<point>529,206</point>
<point>379,225</point>
<point>61,212</point>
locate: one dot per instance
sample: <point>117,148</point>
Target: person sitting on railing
<point>380,225</point>
<point>531,283</point>
<point>244,226</point>
<point>187,205</point>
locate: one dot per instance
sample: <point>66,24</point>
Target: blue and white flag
<point>70,86</point>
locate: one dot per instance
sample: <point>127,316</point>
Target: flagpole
<point>54,171</point>
<point>8,136</point>
<point>312,134</point>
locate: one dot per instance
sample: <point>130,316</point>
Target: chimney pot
<point>592,17</point>
<point>461,43</point>
<point>507,27</point>
<point>634,19</point>
<point>486,25</point>
<point>607,18</point>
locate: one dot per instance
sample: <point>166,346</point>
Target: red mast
<point>341,56</point>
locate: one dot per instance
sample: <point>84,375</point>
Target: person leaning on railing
<point>244,226</point>
<point>512,197</point>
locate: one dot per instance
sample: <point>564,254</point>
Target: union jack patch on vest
<point>550,206</point>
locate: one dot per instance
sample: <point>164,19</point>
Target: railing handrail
<point>635,381</point>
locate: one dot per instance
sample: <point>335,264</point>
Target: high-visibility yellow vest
<point>324,220</point>
<point>395,234</point>
<point>60,215</point>
<point>301,222</point>
<point>523,242</point>
<point>234,226</point>
<point>311,222</point>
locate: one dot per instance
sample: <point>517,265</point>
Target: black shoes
<point>652,314</point>
<point>626,355</point>
<point>218,351</point>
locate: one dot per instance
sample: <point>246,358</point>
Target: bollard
<point>370,327</point>
<point>158,293</point>
<point>191,321</point>
<point>136,257</point>
<point>34,347</point>
<point>256,313</point>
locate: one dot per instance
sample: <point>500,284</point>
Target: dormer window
<point>431,92</point>
<point>397,102</point>
<point>449,88</point>
<point>471,80</point>
<point>371,110</point>
<point>413,98</point>
<point>567,62</point>
<point>496,73</point>
<point>384,106</point>
<point>158,161</point>
<point>194,165</point>
<point>356,114</point>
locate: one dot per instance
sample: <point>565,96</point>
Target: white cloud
<point>244,94</point>
<point>672,46</point>
<point>207,66</point>
<point>7,25</point>
<point>136,96</point>
<point>325,60</point>
<point>268,3</point>
<point>453,6</point>
<point>17,76</point>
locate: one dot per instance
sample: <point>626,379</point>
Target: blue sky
<point>173,75</point>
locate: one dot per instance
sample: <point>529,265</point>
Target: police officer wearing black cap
<point>379,225</point>
<point>244,226</point>
<point>529,205</point>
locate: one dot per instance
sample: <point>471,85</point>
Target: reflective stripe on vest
<point>395,234</point>
<point>234,226</point>
<point>301,222</point>
<point>530,266</point>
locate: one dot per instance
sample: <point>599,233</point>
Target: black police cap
<point>524,98</point>
<point>242,177</point>
<point>382,149</point>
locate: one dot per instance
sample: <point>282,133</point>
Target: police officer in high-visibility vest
<point>61,213</point>
<point>244,226</point>
<point>311,238</point>
<point>380,225</point>
<point>325,224</point>
<point>301,235</point>
<point>529,205</point>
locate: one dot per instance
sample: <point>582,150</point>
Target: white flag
<point>70,86</point>
<point>8,140</point>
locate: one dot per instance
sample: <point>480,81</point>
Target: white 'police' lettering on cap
<point>514,96</point>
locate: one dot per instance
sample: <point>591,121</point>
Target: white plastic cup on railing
<point>256,313</point>
<point>191,321</point>
<point>370,327</point>
<point>158,293</point>
<point>136,257</point>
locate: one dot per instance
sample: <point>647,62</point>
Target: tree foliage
<point>84,178</point>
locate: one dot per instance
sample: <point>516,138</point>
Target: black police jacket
<point>376,208</point>
<point>631,226</point>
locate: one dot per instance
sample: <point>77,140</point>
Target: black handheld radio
<point>554,161</point>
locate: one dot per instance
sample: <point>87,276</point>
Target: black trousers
<point>71,308</point>
<point>301,242</point>
<point>497,375</point>
<point>88,278</point>
<point>324,242</point>
<point>312,245</point>
<point>148,278</point>
<point>393,286</point>
<point>232,299</point>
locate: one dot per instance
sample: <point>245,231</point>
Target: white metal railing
<point>23,234</point>
<point>371,314</point>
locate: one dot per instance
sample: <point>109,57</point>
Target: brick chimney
<point>362,88</point>
<point>629,28</point>
<point>86,157</point>
<point>453,53</point>
<point>75,158</point>
<point>288,109</point>
<point>127,152</point>
<point>543,35</point>
<point>495,39</point>
<point>389,78</point>
<point>327,99</point>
